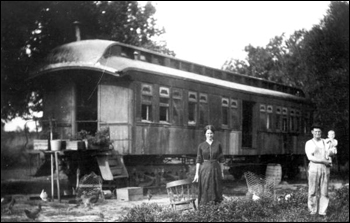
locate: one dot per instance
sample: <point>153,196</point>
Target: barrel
<point>274,173</point>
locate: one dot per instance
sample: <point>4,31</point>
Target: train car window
<point>146,102</point>
<point>113,51</point>
<point>297,120</point>
<point>234,114</point>
<point>278,121</point>
<point>269,112</point>
<point>209,72</point>
<point>127,52</point>
<point>224,111</point>
<point>218,74</point>
<point>253,82</point>
<point>262,108</point>
<point>203,109</point>
<point>307,122</point>
<point>291,120</point>
<point>192,108</point>
<point>158,60</point>
<point>284,119</point>
<point>185,66</point>
<point>164,104</point>
<point>197,69</point>
<point>234,103</point>
<point>146,57</point>
<point>174,64</point>
<point>262,125</point>
<point>86,110</point>
<point>178,110</point>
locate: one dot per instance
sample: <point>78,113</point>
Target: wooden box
<point>40,144</point>
<point>75,145</point>
<point>130,193</point>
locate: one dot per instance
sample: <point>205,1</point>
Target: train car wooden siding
<point>158,105</point>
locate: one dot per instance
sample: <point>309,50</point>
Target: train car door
<point>115,112</point>
<point>247,124</point>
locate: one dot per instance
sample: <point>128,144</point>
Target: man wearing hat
<point>319,171</point>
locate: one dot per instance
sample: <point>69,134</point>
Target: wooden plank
<point>40,144</point>
<point>104,167</point>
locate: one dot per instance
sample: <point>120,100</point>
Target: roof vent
<point>77,30</point>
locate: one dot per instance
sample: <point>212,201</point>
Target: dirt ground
<point>107,210</point>
<point>26,192</point>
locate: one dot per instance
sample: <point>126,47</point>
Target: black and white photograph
<point>175,111</point>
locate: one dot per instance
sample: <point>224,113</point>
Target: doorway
<point>247,123</point>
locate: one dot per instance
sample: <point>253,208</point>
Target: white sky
<point>209,33</point>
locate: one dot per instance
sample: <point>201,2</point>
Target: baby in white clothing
<point>332,144</point>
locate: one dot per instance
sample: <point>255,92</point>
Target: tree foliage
<point>316,61</point>
<point>29,30</point>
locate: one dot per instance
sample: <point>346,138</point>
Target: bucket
<point>55,144</point>
<point>274,173</point>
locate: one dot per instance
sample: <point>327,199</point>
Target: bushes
<point>339,205</point>
<point>238,210</point>
<point>148,213</point>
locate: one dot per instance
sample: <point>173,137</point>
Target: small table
<point>78,153</point>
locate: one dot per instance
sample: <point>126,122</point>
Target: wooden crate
<point>40,144</point>
<point>75,145</point>
<point>130,193</point>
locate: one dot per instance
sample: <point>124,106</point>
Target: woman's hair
<point>209,127</point>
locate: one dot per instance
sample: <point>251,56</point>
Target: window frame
<point>285,126</point>
<point>147,103</point>
<point>203,105</point>
<point>278,121</point>
<point>167,105</point>
<point>225,106</point>
<point>269,117</point>
<point>234,114</point>
<point>177,100</point>
<point>194,103</point>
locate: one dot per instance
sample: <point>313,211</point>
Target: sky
<point>209,33</point>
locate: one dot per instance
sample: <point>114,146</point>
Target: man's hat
<point>317,126</point>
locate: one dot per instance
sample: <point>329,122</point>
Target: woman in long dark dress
<point>209,172</point>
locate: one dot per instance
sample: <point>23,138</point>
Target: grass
<point>242,210</point>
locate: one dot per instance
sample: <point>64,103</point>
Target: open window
<point>86,96</point>
<point>203,109</point>
<point>269,111</point>
<point>284,119</point>
<point>292,120</point>
<point>192,108</point>
<point>178,110</point>
<point>262,125</point>
<point>224,111</point>
<point>297,120</point>
<point>278,121</point>
<point>146,102</point>
<point>307,122</point>
<point>235,123</point>
<point>164,104</point>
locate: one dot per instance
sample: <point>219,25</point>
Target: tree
<point>326,55</point>
<point>29,30</point>
<point>273,62</point>
<point>316,61</point>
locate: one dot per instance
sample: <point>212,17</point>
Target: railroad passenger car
<point>156,107</point>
